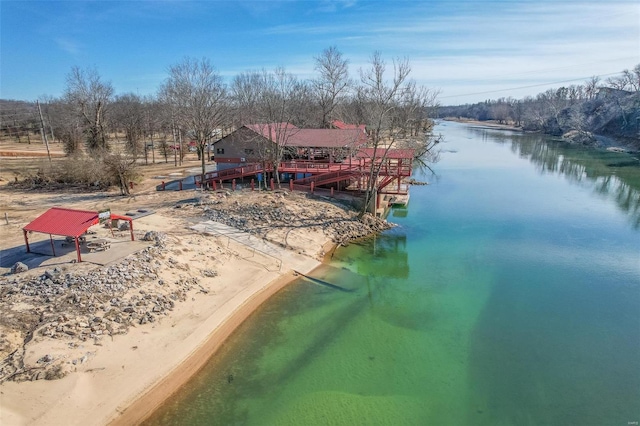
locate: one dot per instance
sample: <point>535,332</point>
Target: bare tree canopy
<point>90,97</point>
<point>271,101</point>
<point>197,94</point>
<point>332,83</point>
<point>128,116</point>
<point>391,106</point>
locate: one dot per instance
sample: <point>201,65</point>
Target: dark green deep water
<point>509,294</point>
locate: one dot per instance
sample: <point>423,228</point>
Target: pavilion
<point>68,223</point>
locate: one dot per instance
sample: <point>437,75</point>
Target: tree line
<point>610,108</point>
<point>194,103</point>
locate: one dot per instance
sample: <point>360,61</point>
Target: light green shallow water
<point>509,294</point>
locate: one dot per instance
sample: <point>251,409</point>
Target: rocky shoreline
<point>85,308</point>
<point>82,308</point>
<point>337,221</point>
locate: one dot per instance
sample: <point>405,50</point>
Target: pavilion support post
<point>26,240</point>
<point>53,246</point>
<point>78,249</point>
<point>131,228</point>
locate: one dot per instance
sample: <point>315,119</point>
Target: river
<point>508,294</point>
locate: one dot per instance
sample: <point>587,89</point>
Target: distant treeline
<point>609,108</point>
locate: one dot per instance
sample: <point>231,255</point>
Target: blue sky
<point>469,50</point>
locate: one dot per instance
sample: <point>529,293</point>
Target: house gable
<point>238,147</point>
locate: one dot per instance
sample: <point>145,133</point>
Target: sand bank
<point>128,376</point>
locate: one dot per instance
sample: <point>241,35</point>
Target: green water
<point>509,294</point>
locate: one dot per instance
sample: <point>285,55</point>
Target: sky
<point>469,51</point>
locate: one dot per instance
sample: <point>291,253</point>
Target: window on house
<point>219,150</point>
<point>248,151</point>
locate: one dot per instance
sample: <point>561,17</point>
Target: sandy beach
<point>122,377</point>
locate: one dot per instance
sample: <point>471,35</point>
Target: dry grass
<point>21,160</point>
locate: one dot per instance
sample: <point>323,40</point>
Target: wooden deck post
<point>312,187</point>
<point>272,184</point>
<point>291,184</point>
<point>180,185</point>
<point>233,185</point>
<point>253,184</point>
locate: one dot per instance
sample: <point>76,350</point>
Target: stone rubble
<point>86,307</point>
<point>340,224</point>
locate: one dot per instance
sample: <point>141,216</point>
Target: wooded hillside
<point>610,108</point>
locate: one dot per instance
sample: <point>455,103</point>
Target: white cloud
<point>67,45</point>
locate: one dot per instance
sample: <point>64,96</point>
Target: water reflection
<point>388,254</point>
<point>610,174</point>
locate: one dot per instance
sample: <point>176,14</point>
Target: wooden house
<point>253,143</point>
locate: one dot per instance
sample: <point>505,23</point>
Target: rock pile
<point>295,211</point>
<point>85,307</point>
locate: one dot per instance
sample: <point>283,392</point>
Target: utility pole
<point>43,132</point>
<point>180,138</point>
<point>175,153</point>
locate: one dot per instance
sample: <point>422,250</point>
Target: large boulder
<point>19,267</point>
<point>580,138</point>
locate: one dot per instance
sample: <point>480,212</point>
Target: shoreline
<point>486,124</point>
<point>126,379</point>
<point>145,347</point>
<point>152,398</point>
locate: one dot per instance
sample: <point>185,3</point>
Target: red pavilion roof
<point>65,222</point>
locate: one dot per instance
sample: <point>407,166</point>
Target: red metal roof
<point>271,131</point>
<point>342,125</point>
<point>328,138</point>
<point>316,138</point>
<point>65,222</point>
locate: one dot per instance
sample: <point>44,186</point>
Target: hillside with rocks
<point>593,114</point>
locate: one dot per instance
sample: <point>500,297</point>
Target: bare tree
<point>67,123</point>
<point>245,89</point>
<point>628,80</point>
<point>197,93</point>
<point>591,87</point>
<point>332,83</point>
<point>269,101</point>
<point>121,169</point>
<point>500,111</point>
<point>90,96</point>
<point>381,101</point>
<point>128,115</point>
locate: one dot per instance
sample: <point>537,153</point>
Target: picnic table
<point>71,241</point>
<point>98,245</point>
